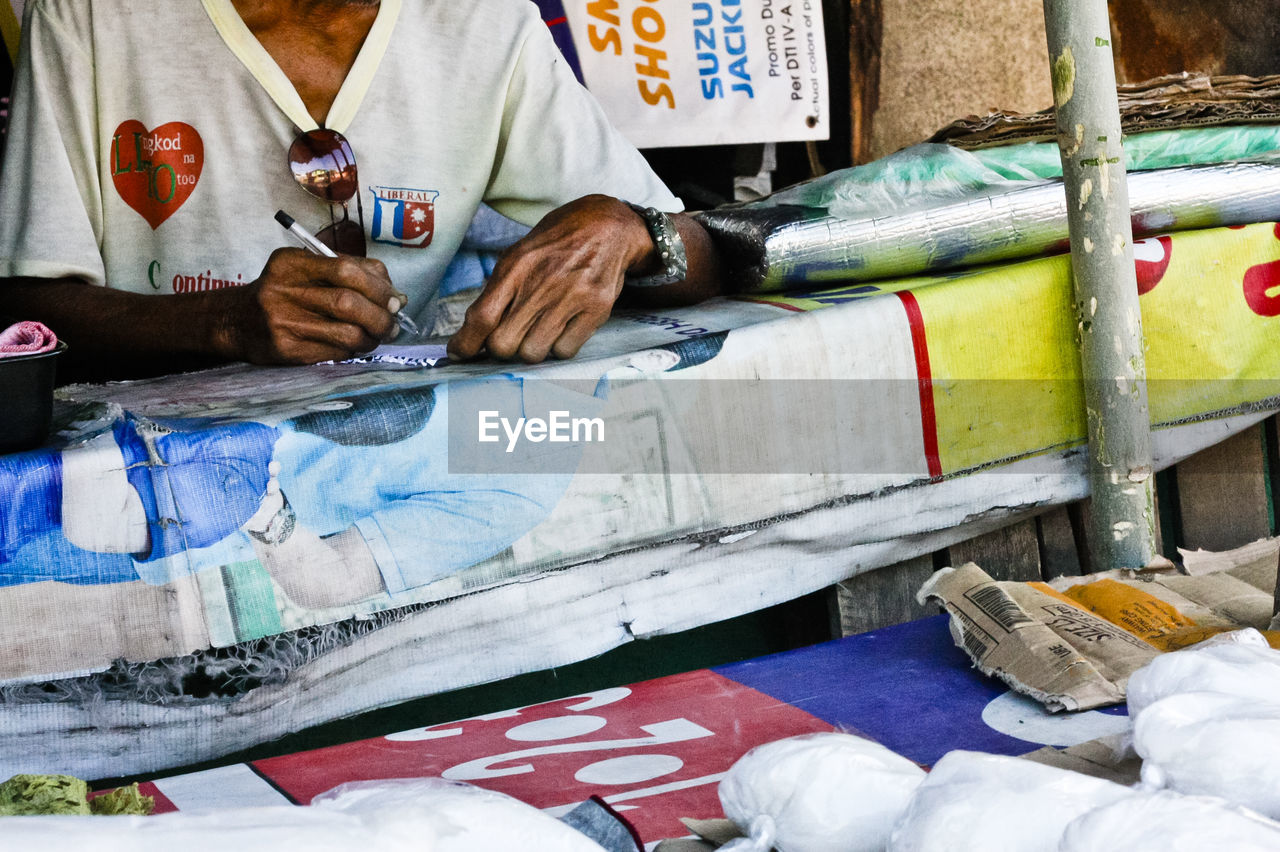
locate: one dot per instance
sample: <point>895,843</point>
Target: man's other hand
<point>554,288</point>
<point>305,308</point>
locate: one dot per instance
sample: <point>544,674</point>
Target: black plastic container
<point>26,399</point>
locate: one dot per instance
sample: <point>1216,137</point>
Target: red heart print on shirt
<point>155,171</point>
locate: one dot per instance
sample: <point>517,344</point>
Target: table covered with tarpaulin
<point>199,563</point>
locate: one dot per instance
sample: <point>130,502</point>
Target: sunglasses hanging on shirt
<point>323,164</point>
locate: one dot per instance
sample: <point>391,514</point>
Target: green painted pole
<point>1109,323</point>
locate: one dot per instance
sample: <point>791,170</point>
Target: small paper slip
<point>420,355</point>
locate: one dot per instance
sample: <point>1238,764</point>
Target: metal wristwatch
<point>669,245</point>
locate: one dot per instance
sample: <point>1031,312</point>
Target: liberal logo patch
<point>403,217</point>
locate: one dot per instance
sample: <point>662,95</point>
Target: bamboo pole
<point>1109,323</point>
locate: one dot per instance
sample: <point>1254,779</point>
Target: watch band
<point>668,244</point>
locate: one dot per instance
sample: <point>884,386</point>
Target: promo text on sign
<point>732,44</point>
<point>650,29</point>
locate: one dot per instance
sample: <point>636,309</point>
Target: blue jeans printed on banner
<point>201,497</point>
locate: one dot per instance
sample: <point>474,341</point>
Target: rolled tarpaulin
<point>775,248</point>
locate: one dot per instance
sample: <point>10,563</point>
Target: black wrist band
<point>668,244</point>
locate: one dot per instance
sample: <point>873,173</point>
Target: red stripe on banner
<point>928,418</point>
<point>556,21</point>
<point>773,304</point>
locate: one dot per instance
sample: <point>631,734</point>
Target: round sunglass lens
<point>323,164</point>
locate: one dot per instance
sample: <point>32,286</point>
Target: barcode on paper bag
<point>998,606</point>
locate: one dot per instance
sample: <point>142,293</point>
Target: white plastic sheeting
<point>408,815</point>
<point>1210,743</point>
<point>1168,822</point>
<point>1240,664</point>
<point>1207,722</point>
<point>974,802</point>
<point>817,793</point>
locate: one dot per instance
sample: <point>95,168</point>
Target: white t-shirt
<point>148,144</point>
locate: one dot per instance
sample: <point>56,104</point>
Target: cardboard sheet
<point>1072,643</point>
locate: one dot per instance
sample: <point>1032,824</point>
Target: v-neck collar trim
<point>277,85</point>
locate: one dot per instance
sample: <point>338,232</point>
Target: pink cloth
<point>26,338</point>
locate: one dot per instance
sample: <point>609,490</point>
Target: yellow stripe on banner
<point>1006,375</point>
<point>1004,362</point>
<point>10,29</point>
<point>1006,370</point>
<point>1211,320</point>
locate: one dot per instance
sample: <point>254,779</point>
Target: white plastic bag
<point>283,828</point>
<point>1210,743</point>
<point>463,817</point>
<point>1240,663</point>
<point>1168,822</point>
<point>407,815</point>
<point>817,793</point>
<point>992,803</point>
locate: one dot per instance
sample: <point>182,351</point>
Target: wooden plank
<point>1155,37</point>
<point>1276,609</point>
<point>1057,540</point>
<point>1222,494</point>
<point>1011,553</point>
<point>1271,430</point>
<point>882,597</point>
<point>866,35</point>
<point>1078,512</point>
<point>1161,543</point>
<point>1168,530</point>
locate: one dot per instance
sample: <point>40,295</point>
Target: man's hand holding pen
<point>305,308</point>
<point>311,305</point>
